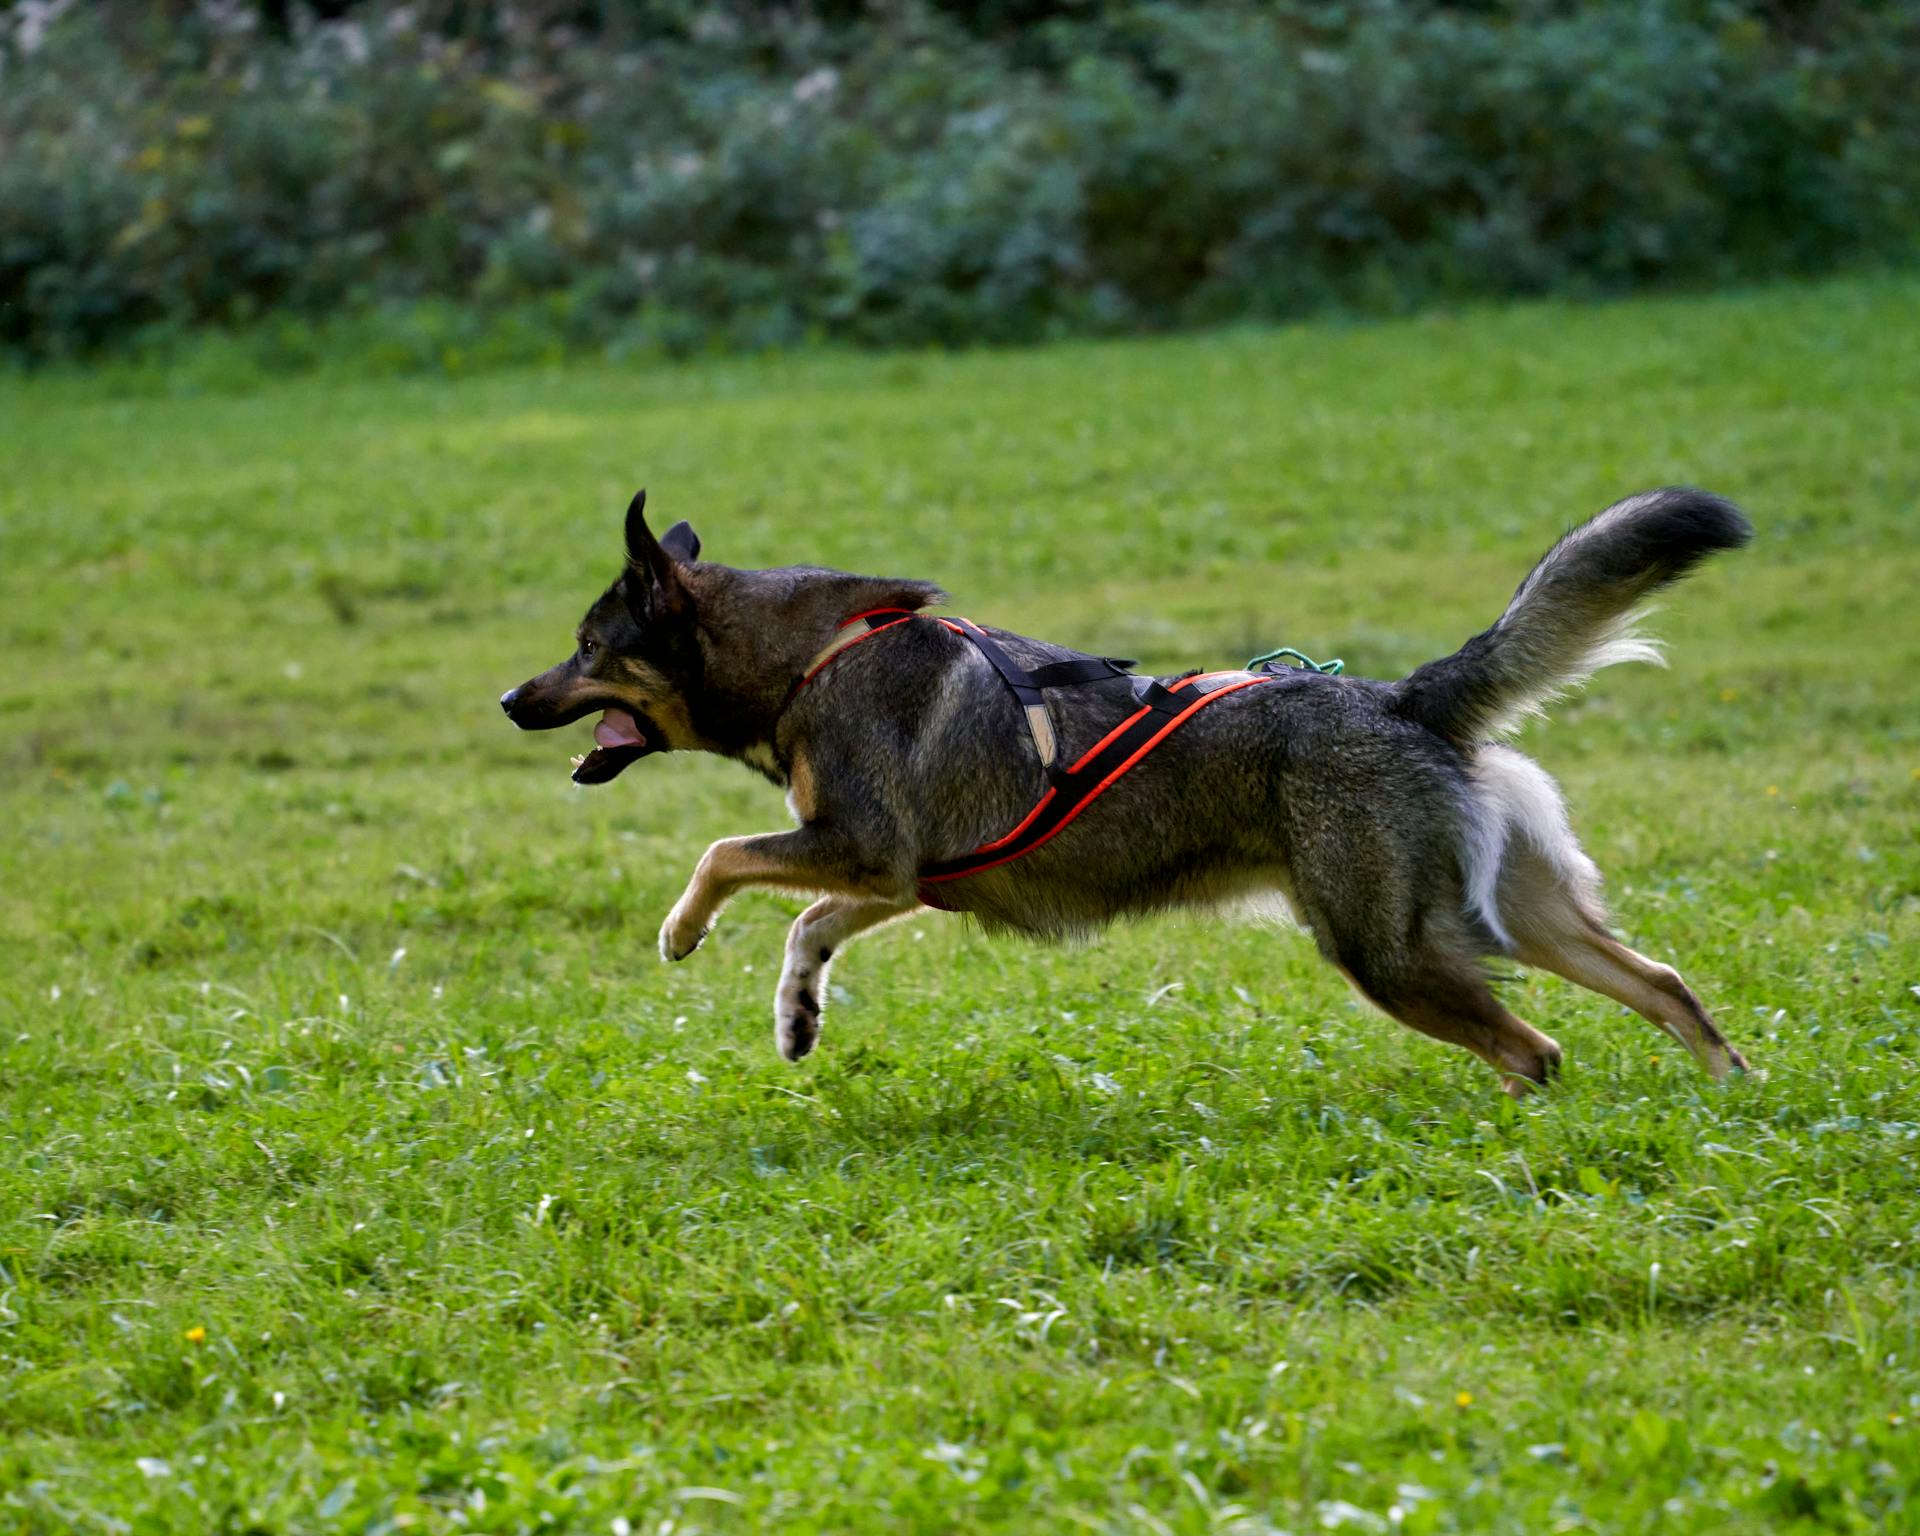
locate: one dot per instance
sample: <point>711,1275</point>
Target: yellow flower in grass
<point>196,1335</point>
<point>1463,1399</point>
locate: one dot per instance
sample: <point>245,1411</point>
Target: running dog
<point>931,761</point>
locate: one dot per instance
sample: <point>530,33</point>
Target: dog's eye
<point>587,648</point>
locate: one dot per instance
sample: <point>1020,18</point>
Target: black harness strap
<point>1156,695</point>
<point>1082,669</point>
<point>1028,687</point>
<point>1025,688</point>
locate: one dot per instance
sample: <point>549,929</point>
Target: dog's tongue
<point>618,741</point>
<point>617,728</point>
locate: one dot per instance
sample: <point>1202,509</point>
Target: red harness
<point>1163,709</point>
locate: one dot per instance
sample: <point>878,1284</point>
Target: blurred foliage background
<point>448,181</point>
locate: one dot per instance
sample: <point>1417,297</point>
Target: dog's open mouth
<point>619,739</point>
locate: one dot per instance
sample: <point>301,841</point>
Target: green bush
<point>664,177</point>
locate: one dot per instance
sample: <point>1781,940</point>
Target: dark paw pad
<point>800,1028</point>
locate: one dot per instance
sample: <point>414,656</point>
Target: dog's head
<point>636,658</point>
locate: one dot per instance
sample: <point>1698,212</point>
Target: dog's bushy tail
<point>1573,614</point>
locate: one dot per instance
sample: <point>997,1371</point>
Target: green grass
<point>331,1025</point>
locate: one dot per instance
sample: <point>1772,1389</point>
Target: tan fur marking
<point>802,795</point>
<point>726,868</point>
<point>730,864</point>
<point>1555,929</point>
<point>1654,991</point>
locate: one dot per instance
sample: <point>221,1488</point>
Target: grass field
<point>362,1168</point>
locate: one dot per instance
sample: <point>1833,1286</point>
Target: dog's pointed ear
<point>648,557</point>
<point>682,543</point>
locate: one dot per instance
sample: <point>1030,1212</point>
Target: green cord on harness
<point>1328,667</point>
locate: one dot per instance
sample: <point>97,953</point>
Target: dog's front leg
<point>811,941</point>
<point>810,858</point>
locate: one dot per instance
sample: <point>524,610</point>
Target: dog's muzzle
<point>622,737</point>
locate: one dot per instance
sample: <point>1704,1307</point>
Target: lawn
<point>363,1169</point>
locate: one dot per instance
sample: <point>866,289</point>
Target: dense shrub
<point>666,174</point>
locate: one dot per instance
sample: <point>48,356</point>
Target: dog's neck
<point>759,631</point>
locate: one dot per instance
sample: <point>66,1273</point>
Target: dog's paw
<point>796,1022</point>
<point>680,936</point>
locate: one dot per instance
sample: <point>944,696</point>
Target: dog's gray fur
<point>1385,816</point>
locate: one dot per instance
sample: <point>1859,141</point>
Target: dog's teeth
<point>580,759</point>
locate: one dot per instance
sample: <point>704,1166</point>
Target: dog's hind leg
<point>1451,1001</point>
<point>1598,961</point>
<point>1384,903</point>
<point>1559,928</point>
<point>811,942</point>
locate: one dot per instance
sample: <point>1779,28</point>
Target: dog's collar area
<point>851,632</point>
<point>1160,709</point>
<point>862,626</point>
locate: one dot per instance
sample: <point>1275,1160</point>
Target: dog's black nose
<point>510,698</point>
